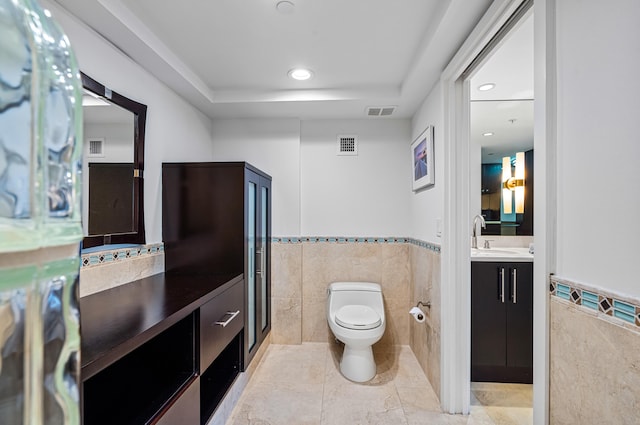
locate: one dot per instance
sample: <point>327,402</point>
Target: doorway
<point>501,121</point>
<point>456,273</point>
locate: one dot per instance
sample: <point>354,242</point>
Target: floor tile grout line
<point>324,381</point>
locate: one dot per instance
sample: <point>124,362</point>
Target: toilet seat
<point>357,317</point>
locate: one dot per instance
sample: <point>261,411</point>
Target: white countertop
<point>501,254</point>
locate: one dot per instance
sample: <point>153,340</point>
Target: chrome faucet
<point>474,239</point>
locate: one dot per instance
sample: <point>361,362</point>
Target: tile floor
<point>302,385</point>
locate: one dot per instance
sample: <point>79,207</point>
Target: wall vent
<point>380,111</point>
<point>348,144</point>
<point>96,147</point>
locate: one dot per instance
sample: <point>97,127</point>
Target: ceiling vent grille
<point>348,145</point>
<point>96,147</point>
<point>380,111</point>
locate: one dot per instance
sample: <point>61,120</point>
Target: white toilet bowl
<point>355,312</point>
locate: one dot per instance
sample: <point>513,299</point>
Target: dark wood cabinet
<point>217,218</point>
<point>161,350</point>
<point>502,322</point>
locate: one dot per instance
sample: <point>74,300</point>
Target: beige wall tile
<point>314,320</point>
<point>397,317</point>
<point>326,262</point>
<point>286,320</point>
<point>105,276</point>
<point>396,270</point>
<point>594,368</point>
<point>424,338</point>
<point>286,270</point>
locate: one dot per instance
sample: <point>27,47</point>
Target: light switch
<point>439,227</point>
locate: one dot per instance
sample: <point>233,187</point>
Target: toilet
<point>355,312</point>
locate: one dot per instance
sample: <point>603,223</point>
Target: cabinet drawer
<point>220,320</point>
<point>185,409</point>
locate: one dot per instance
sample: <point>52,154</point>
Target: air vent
<point>380,111</point>
<point>348,145</point>
<point>96,147</point>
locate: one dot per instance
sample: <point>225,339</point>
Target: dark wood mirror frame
<point>140,117</point>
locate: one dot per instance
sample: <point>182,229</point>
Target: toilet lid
<point>357,317</point>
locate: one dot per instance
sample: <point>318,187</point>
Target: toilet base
<point>357,364</point>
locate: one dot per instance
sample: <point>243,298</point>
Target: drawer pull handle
<point>501,295</point>
<point>514,297</point>
<point>226,322</point>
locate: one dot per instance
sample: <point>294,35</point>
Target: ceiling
<point>506,110</point>
<point>230,58</point>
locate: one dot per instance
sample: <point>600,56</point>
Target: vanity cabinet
<point>161,350</point>
<point>217,217</point>
<point>502,322</point>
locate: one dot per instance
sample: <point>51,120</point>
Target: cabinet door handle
<point>514,296</point>
<point>502,284</point>
<point>259,262</point>
<point>226,322</point>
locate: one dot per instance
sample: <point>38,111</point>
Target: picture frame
<point>422,162</point>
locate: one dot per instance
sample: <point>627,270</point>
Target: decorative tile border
<point>351,239</point>
<point>609,306</point>
<point>99,258</point>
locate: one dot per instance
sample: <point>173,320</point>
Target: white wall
<point>598,45</point>
<point>364,195</point>
<point>175,130</point>
<point>117,146</point>
<point>427,205</point>
<point>272,145</point>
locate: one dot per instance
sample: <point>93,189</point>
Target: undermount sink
<point>501,254</point>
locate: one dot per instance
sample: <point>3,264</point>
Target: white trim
<point>545,194</point>
<point>456,276</point>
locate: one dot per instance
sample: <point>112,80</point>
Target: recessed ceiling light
<point>285,7</point>
<point>487,86</point>
<point>487,134</point>
<point>300,74</point>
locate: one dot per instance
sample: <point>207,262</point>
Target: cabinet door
<point>253,182</point>
<point>258,280</point>
<point>520,316</point>
<point>488,328</point>
<point>264,275</point>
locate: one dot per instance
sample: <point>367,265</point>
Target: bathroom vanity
<point>502,315</point>
<point>161,350</point>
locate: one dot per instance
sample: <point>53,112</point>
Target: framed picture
<point>422,159</point>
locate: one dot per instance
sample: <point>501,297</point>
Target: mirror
<point>501,124</point>
<point>113,164</point>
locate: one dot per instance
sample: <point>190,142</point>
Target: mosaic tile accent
<point>563,291</point>
<point>120,254</point>
<point>350,239</point>
<point>605,305</point>
<point>590,300</point>
<point>609,307</point>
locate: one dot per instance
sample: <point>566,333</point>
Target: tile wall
<point>594,365</point>
<point>425,337</point>
<point>407,269</point>
<point>110,268</point>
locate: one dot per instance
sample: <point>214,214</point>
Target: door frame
<point>456,275</point>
